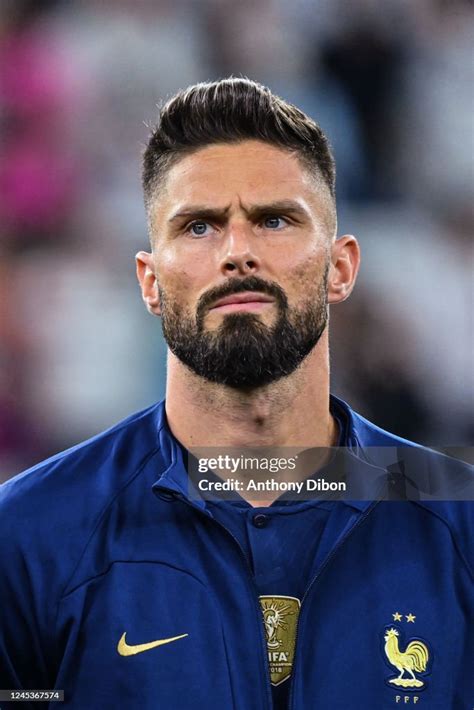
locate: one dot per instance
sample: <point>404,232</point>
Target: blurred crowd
<point>390,81</point>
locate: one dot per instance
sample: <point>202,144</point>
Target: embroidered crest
<point>280,616</point>
<point>412,660</point>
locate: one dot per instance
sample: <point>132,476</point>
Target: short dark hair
<point>229,111</point>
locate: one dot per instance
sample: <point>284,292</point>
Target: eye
<point>198,229</point>
<point>273,222</point>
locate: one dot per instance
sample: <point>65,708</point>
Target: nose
<point>239,256</point>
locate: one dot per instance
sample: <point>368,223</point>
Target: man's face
<point>241,252</point>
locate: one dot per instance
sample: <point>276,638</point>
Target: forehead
<point>252,171</point>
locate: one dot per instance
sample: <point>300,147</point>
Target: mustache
<point>233,286</point>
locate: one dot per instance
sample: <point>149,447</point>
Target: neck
<point>293,411</point>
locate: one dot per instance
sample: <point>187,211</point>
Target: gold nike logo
<point>125,650</point>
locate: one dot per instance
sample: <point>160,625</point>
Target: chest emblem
<point>408,662</point>
<point>280,616</point>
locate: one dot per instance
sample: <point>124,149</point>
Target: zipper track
<point>312,583</point>
<point>255,596</point>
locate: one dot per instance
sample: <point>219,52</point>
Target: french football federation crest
<point>280,616</point>
<point>414,659</point>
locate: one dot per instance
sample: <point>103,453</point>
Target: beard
<point>243,352</point>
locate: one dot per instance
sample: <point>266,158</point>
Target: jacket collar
<point>365,475</point>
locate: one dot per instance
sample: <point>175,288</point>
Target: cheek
<point>178,283</point>
<point>170,271</point>
<point>307,275</point>
<point>179,266</point>
<point>185,271</point>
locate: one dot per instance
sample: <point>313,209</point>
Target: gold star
<point>397,616</point>
<point>411,618</point>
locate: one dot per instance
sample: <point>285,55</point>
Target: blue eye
<point>198,229</point>
<point>273,222</point>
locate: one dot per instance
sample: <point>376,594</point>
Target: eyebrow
<point>203,211</point>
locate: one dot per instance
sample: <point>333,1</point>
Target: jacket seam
<point>183,571</point>
<point>130,562</point>
<point>97,524</point>
<point>453,535</point>
<point>103,512</point>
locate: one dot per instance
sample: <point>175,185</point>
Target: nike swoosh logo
<point>125,650</point>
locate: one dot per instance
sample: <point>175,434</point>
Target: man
<point>127,585</point>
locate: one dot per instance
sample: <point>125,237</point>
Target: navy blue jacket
<point>102,540</point>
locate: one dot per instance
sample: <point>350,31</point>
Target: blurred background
<point>391,83</point>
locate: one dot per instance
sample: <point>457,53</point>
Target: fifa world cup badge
<point>280,616</point>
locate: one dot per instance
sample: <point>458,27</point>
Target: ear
<point>148,282</point>
<point>345,260</point>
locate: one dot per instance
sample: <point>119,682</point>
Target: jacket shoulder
<point>440,484</point>
<point>109,453</point>
<point>55,505</point>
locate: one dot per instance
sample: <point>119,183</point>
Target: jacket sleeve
<point>26,606</point>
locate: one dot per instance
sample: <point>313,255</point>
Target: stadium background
<point>390,81</point>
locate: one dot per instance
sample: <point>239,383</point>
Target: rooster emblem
<point>414,658</point>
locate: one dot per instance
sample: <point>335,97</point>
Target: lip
<point>248,300</point>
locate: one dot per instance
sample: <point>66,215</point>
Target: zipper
<point>254,595</point>
<point>308,590</point>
